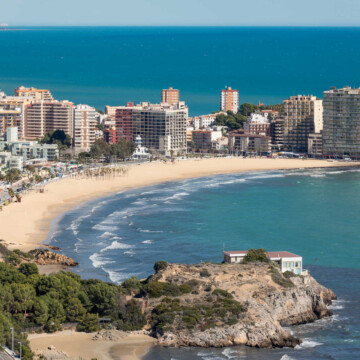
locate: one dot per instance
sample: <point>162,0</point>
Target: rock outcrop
<point>47,257</point>
<point>233,304</point>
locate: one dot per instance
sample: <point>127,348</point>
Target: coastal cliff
<point>232,304</point>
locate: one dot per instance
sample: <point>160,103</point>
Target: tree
<point>40,312</point>
<point>74,310</point>
<point>255,255</point>
<point>29,269</point>
<point>24,296</point>
<point>58,137</point>
<point>12,175</point>
<point>89,323</point>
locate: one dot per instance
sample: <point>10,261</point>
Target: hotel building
<point>162,127</point>
<point>170,96</point>
<point>341,134</point>
<point>33,93</point>
<point>229,100</point>
<point>240,141</point>
<point>42,117</point>
<point>303,115</point>
<point>84,127</point>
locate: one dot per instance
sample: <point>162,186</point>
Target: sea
<point>313,213</point>
<point>113,65</point>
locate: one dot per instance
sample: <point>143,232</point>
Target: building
<point>270,114</point>
<point>202,121</point>
<point>162,127</point>
<point>124,122</point>
<point>84,127</point>
<point>229,100</point>
<point>341,134</point>
<point>257,124</point>
<point>277,132</point>
<point>10,161</point>
<point>315,145</point>
<point>286,260</point>
<point>33,93</point>
<point>203,140</point>
<point>242,142</point>
<point>141,152</point>
<point>170,96</point>
<point>111,110</point>
<point>303,115</point>
<point>42,117</point>
<point>11,116</point>
<point>110,135</point>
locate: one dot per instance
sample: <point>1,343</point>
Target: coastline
<point>26,225</point>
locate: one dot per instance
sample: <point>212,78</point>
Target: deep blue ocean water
<point>314,213</point>
<point>112,65</point>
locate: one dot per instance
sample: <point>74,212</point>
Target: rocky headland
<point>218,305</point>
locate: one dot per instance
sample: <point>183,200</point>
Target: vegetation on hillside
<point>256,255</point>
<point>236,121</point>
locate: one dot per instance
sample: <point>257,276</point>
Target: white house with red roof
<point>287,260</point>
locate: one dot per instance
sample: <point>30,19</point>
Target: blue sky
<point>181,12</point>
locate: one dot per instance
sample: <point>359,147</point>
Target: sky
<point>181,12</point>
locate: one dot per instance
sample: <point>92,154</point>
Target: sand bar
<point>26,225</point>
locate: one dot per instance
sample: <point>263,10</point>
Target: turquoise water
<point>113,65</point>
<point>313,213</point>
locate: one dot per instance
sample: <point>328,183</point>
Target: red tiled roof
<point>271,254</point>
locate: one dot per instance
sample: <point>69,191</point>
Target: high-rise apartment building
<point>229,100</point>
<point>341,134</point>
<point>84,127</point>
<point>170,96</point>
<point>161,127</point>
<point>303,115</point>
<point>42,117</point>
<point>33,93</point>
<point>10,116</point>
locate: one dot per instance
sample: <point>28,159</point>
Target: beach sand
<point>80,345</point>
<point>26,225</point>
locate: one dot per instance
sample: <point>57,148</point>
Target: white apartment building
<point>229,100</point>
<point>84,127</point>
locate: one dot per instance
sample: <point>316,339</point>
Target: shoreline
<point>39,213</point>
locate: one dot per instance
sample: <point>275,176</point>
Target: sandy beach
<point>80,345</point>
<point>26,225</point>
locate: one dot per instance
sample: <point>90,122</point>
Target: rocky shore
<point>47,257</point>
<point>235,304</point>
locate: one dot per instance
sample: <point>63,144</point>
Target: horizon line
<point>184,25</point>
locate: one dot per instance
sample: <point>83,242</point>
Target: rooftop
<point>271,254</point>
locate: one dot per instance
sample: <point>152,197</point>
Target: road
<point>5,356</point>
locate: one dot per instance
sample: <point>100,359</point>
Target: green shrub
<point>232,321</point>
<point>160,265</point>
<point>223,293</point>
<point>204,273</point>
<point>130,317</point>
<point>185,288</point>
<point>132,283</point>
<point>279,279</point>
<point>193,282</point>
<point>255,255</point>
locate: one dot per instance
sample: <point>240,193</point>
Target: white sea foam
<point>106,234</point>
<point>116,245</point>
<point>76,223</point>
<point>265,176</point>
<point>336,307</point>
<point>149,231</point>
<point>147,241</point>
<point>103,227</point>
<point>230,353</point>
<point>118,277</point>
<point>307,343</point>
<point>286,357</point>
<point>98,261</point>
<point>129,252</point>
<point>174,197</point>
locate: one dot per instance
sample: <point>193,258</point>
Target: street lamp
<point>12,339</point>
<point>20,349</point>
